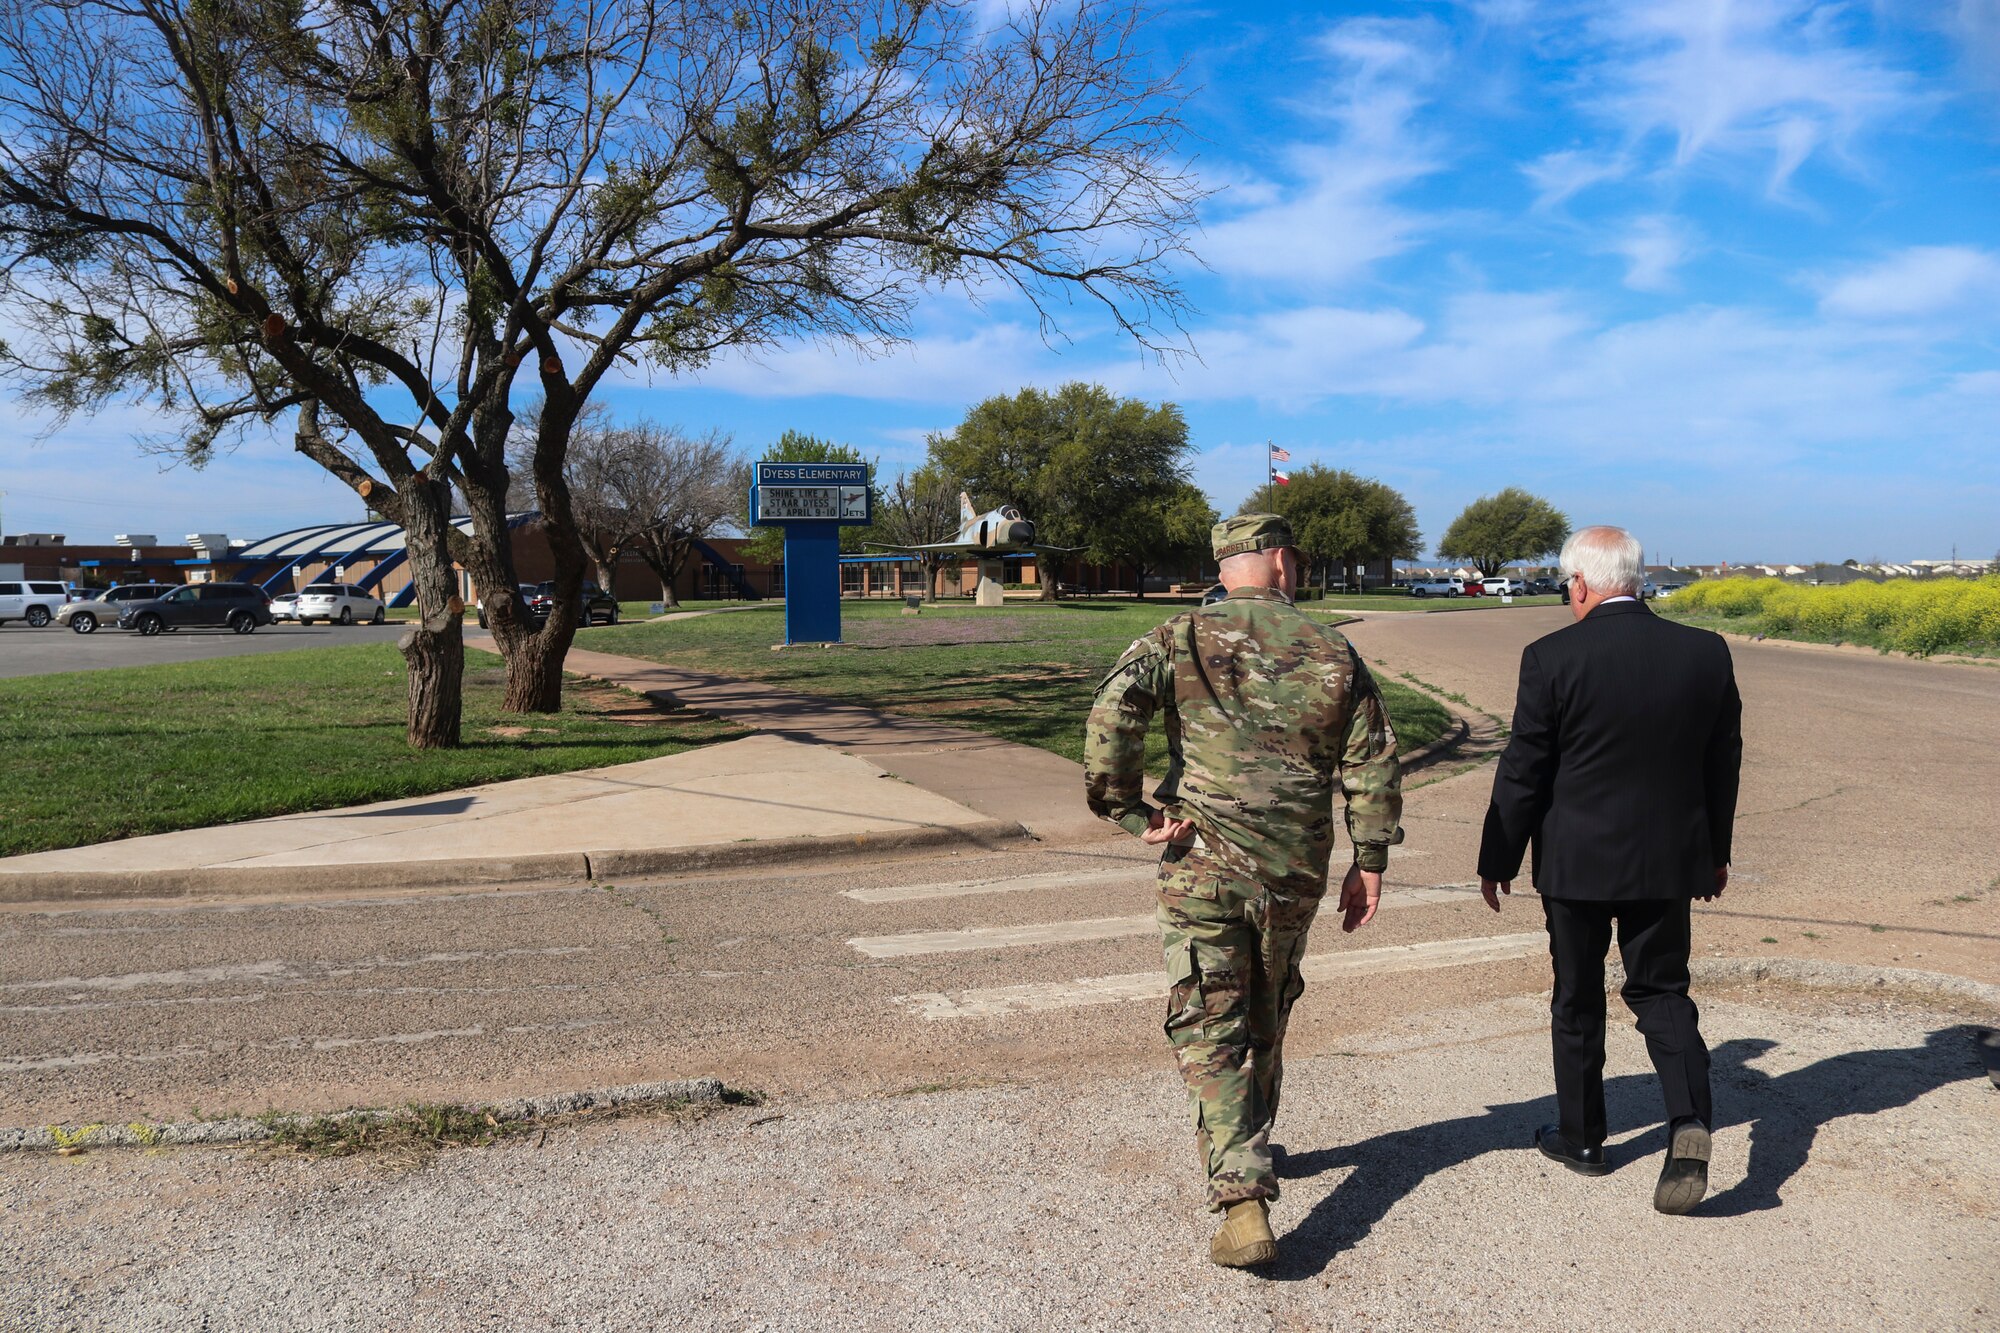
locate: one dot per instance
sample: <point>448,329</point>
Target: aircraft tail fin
<point>966,512</point>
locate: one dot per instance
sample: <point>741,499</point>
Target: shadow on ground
<point>1784,1113</point>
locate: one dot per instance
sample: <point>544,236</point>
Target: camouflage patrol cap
<point>1250,532</point>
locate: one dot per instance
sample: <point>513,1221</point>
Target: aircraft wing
<point>938,548</point>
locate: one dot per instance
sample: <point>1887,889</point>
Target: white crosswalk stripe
<point>1098,928</point>
<point>1142,873</point>
<point>963,888</point>
<point>1035,997</point>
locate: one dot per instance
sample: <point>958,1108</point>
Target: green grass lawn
<point>1024,672</point>
<point>95,755</point>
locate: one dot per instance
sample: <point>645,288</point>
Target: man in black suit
<point>1622,773</point>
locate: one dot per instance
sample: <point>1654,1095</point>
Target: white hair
<point>1610,560</point>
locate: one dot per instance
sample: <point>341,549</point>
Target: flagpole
<point>1270,480</point>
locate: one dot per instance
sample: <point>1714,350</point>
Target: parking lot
<point>38,652</point>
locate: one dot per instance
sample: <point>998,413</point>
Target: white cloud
<point>1653,248</point>
<point>1921,280</point>
<point>1333,215</point>
<point>1776,80</point>
<point>1559,175</point>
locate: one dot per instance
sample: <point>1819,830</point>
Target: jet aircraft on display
<point>997,532</point>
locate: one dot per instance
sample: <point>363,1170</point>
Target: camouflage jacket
<point>1265,709</point>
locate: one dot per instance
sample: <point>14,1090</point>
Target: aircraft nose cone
<point>1022,533</point>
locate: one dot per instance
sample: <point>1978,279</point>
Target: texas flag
<point>1280,455</point>
<point>1280,478</point>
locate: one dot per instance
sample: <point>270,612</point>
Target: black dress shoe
<point>1684,1177</point>
<point>1583,1161</point>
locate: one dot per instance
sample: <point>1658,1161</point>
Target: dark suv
<point>597,604</point>
<point>240,606</point>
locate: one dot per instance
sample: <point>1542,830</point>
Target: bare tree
<point>600,461</point>
<point>679,489</point>
<point>381,223</point>
<point>918,508</point>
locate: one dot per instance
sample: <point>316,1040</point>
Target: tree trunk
<point>607,573</point>
<point>667,598</point>
<point>534,673</point>
<point>434,646</point>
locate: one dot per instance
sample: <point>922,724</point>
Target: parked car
<point>1669,589</point>
<point>1216,593</point>
<point>1438,588</point>
<point>526,591</point>
<point>338,603</point>
<point>85,616</point>
<point>1543,587</point>
<point>1502,585</point>
<point>33,601</point>
<point>596,604</point>
<point>240,606</point>
<point>285,606</point>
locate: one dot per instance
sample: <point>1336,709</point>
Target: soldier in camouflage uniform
<point>1266,710</point>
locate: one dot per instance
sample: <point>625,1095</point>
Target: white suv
<point>340,603</point>
<point>34,602</point>
<point>1502,586</point>
<point>1438,588</point>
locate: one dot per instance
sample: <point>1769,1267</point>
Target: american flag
<point>1280,455</point>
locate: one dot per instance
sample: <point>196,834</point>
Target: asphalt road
<point>1868,825</point>
<point>978,1119</point>
<point>1866,837</point>
<point>40,652</point>
<point>1853,1182</point>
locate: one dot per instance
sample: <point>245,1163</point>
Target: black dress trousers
<point>1653,938</point>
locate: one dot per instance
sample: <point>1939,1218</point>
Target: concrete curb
<point>187,1133</point>
<point>33,887</point>
<point>1424,756</point>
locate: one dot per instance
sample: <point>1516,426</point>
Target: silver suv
<point>84,617</point>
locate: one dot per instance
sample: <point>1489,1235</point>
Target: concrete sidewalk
<point>760,799</point>
<point>1014,784</point>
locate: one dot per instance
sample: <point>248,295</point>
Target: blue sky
<point>1725,273</point>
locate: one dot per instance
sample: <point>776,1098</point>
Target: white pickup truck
<point>1438,588</point>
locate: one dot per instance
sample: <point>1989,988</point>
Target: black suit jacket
<point>1622,766</point>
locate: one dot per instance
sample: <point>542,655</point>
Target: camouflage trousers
<point>1232,948</point>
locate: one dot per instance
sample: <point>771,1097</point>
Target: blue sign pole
<point>812,502</point>
<point>812,583</point>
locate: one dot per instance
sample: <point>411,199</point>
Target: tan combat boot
<point>1244,1239</point>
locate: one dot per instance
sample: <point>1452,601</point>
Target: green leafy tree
<point>768,544</point>
<point>380,225</point>
<point>1496,530</point>
<point>1091,470</point>
<point>918,509</point>
<point>1341,519</point>
<point>1170,530</point>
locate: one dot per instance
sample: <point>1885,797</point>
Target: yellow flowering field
<point>1921,616</point>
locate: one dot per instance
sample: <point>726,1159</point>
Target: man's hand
<point>1160,829</point>
<point>1721,883</point>
<point>1491,889</point>
<point>1360,895</point>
